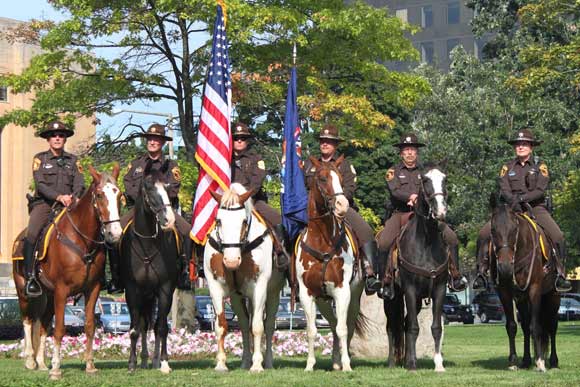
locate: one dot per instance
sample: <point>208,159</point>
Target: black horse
<point>149,252</point>
<point>422,264</point>
<point>518,272</point>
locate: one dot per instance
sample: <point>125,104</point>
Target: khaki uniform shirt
<point>402,182</point>
<point>346,170</point>
<point>56,175</point>
<point>249,170</point>
<point>134,177</point>
<point>524,183</point>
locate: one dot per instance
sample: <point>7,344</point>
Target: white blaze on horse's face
<point>437,179</point>
<point>230,232</point>
<point>169,215</point>
<point>340,201</point>
<point>113,230</point>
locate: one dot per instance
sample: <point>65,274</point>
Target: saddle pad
<point>539,233</point>
<point>43,245</point>
<point>260,218</point>
<point>177,237</point>
<point>351,240</point>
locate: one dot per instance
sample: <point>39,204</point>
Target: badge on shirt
<point>261,165</point>
<point>512,173</point>
<point>390,174</point>
<point>176,173</point>
<point>36,164</point>
<point>544,170</point>
<point>79,166</point>
<point>138,170</point>
<point>48,166</point>
<point>503,171</point>
<point>352,169</point>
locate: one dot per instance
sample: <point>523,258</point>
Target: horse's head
<point>155,197</point>
<point>434,188</point>
<point>106,198</point>
<point>327,187</point>
<point>232,223</point>
<point>504,235</point>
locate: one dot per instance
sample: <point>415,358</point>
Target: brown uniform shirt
<point>346,170</point>
<point>56,175</point>
<point>249,170</point>
<point>402,182</point>
<point>134,177</point>
<point>524,183</point>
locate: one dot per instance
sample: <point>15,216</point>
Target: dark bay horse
<point>238,263</point>
<point>422,263</point>
<point>326,266</point>
<point>149,252</point>
<point>73,264</point>
<point>518,268</point>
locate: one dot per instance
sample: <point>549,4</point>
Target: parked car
<point>205,316</point>
<point>487,306</point>
<point>453,310</point>
<point>569,309</point>
<point>73,324</point>
<point>114,317</point>
<point>285,319</point>
<point>575,296</point>
<point>320,321</point>
<point>10,319</point>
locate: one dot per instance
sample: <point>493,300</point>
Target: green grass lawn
<point>474,355</point>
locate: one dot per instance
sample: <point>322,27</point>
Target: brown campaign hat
<point>55,126</point>
<point>524,135</point>
<point>409,139</point>
<point>157,130</point>
<point>330,132</point>
<point>241,130</point>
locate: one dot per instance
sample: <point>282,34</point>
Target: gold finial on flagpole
<point>222,3</point>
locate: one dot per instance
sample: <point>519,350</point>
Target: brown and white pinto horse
<point>326,267</point>
<point>238,263</point>
<point>74,264</point>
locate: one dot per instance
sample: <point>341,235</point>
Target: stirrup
<point>113,288</point>
<point>32,288</point>
<point>387,292</point>
<point>282,261</point>
<point>461,287</point>
<point>565,285</point>
<point>479,278</point>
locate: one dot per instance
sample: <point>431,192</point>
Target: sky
<point>40,9</point>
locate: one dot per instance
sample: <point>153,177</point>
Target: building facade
<point>18,146</point>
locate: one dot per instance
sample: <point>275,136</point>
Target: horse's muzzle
<point>232,263</point>
<point>113,232</point>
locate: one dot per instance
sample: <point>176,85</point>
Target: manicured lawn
<point>474,355</point>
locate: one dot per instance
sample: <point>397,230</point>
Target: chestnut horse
<point>73,264</point>
<point>326,265</point>
<point>519,275</point>
<point>238,263</point>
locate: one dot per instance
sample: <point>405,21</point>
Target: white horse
<point>238,263</point>
<point>326,267</point>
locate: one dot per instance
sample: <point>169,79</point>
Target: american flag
<point>214,140</point>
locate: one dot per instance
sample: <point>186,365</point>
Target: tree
<point>153,52</point>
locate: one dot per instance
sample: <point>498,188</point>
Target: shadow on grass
<point>494,363</point>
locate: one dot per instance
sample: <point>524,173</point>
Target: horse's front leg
<point>43,327</point>
<point>342,301</point>
<point>134,305</point>
<point>272,303</point>
<point>90,301</point>
<point>411,328</point>
<point>259,303</point>
<point>309,306</point>
<point>161,326</point>
<point>511,325</point>
<point>60,295</point>
<point>326,310</point>
<point>221,325</point>
<point>525,322</point>
<point>436,328</point>
<point>535,298</point>
<point>239,308</point>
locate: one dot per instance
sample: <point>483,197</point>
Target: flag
<point>293,198</point>
<point>214,139</point>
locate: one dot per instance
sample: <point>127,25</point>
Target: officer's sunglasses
<point>58,134</point>
<point>240,139</point>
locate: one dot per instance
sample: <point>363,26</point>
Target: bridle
<point>428,199</point>
<point>244,245</point>
<point>329,202</point>
<point>155,211</point>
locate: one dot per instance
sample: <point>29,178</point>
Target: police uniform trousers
<point>271,216</point>
<point>361,229</point>
<point>393,227</point>
<point>182,226</point>
<point>38,218</point>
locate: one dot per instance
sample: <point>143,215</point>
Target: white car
<point>569,309</point>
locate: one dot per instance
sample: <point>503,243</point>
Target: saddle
<point>42,242</point>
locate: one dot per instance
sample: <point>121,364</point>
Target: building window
<point>3,94</point>
<point>451,44</point>
<point>427,52</point>
<point>426,16</point>
<point>402,15</point>
<point>453,13</point>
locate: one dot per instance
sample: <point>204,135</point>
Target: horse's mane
<point>231,197</point>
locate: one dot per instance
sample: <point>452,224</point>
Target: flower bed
<point>180,344</point>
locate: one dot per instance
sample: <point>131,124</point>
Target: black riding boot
<point>32,288</point>
<point>457,282</point>
<point>183,281</point>
<point>371,263</point>
<point>280,242</point>
<point>562,284</point>
<point>480,281</point>
<point>115,285</point>
<point>388,292</point>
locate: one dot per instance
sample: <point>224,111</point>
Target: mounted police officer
<point>156,138</point>
<point>58,182</point>
<point>523,182</point>
<point>329,140</point>
<point>249,170</point>
<point>404,184</point>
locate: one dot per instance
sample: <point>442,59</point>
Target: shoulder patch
<point>390,174</point>
<point>36,164</point>
<point>544,170</point>
<point>176,173</point>
<point>261,164</point>
<point>79,166</point>
<point>503,171</point>
<point>129,167</point>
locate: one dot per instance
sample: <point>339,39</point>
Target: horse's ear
<point>314,161</point>
<point>216,196</point>
<point>96,175</point>
<point>246,196</point>
<point>493,200</point>
<point>339,160</point>
<point>443,163</point>
<point>116,170</point>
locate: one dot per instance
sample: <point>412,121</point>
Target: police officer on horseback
<point>523,182</point>
<point>329,140</point>
<point>156,138</point>
<point>404,184</point>
<point>248,169</point>
<point>58,182</point>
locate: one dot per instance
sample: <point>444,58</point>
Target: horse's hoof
<point>55,375</point>
<point>42,367</point>
<point>308,369</point>
<point>513,368</point>
<point>92,370</point>
<point>165,369</point>
<point>221,368</point>
<point>30,364</point>
<point>246,364</point>
<point>346,369</point>
<point>256,369</point>
<point>540,366</point>
<point>336,366</point>
<point>144,365</point>
<point>440,369</point>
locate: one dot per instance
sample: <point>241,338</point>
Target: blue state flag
<point>294,197</point>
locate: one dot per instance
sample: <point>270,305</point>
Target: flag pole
<point>294,55</point>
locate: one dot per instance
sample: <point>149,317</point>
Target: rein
<point>243,244</point>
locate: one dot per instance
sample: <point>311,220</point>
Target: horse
<point>326,265</point>
<point>519,275</point>
<point>238,263</point>
<point>422,263</point>
<point>149,259</point>
<point>73,264</point>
